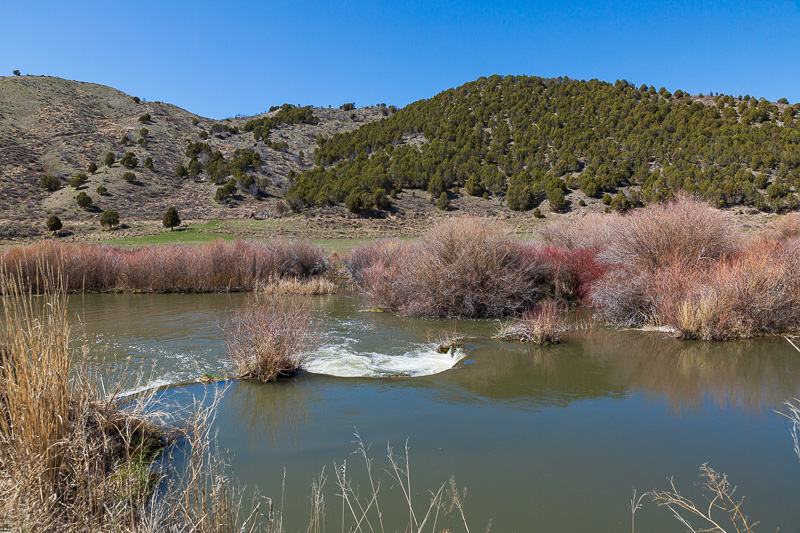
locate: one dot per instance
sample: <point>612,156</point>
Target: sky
<point>221,59</point>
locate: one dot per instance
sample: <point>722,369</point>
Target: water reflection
<point>755,375</point>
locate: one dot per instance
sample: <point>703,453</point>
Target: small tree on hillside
<point>148,163</point>
<point>50,183</point>
<point>129,160</point>
<point>109,161</point>
<point>443,202</point>
<point>92,168</point>
<point>144,118</point>
<point>83,200</point>
<point>78,180</point>
<point>17,73</point>
<point>181,171</point>
<point>109,219</point>
<point>557,201</point>
<point>54,224</point>
<point>171,218</point>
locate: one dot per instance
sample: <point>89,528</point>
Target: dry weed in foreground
<point>362,513</point>
<point>723,509</point>
<point>271,337</point>
<point>542,325</point>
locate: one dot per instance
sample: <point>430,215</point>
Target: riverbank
<point>679,265</point>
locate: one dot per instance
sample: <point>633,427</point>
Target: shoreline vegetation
<point>278,266</point>
<point>75,458</point>
<point>677,266</point>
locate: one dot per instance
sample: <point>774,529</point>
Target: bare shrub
<point>543,324</point>
<point>590,232</point>
<point>571,273</point>
<point>756,293</point>
<point>784,227</point>
<point>377,268</point>
<point>686,231</point>
<point>269,338</point>
<point>467,267</point>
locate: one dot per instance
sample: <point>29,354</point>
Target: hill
<point>498,146</point>
<point>55,127</point>
<point>564,143</point>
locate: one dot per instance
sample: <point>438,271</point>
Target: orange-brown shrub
<point>654,254</point>
<point>755,293</point>
<point>217,266</point>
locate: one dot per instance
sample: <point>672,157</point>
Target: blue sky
<point>219,59</point>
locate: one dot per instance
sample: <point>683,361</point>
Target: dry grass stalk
<point>311,286</point>
<point>363,513</point>
<point>722,515</point>
<point>543,325</point>
<point>270,337</point>
<point>201,497</point>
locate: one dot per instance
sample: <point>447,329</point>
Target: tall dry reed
<point>69,460</point>
<point>544,324</point>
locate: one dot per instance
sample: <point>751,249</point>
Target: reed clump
<point>214,267</point>
<point>69,461</point>
<point>270,338</point>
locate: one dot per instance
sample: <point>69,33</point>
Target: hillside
<point>498,146</point>
<point>563,144</point>
<point>55,127</point>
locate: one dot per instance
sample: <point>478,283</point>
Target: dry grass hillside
<point>55,127</point>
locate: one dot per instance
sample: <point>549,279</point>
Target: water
<point>544,438</point>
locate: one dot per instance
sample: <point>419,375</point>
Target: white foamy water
<point>153,384</point>
<point>342,361</point>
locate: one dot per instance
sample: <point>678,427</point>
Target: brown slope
<point>52,126</point>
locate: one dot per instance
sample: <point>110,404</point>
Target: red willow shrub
<point>217,266</point>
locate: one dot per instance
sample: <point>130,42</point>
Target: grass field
<point>227,230</point>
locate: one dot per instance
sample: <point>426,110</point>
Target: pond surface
<point>544,438</point>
